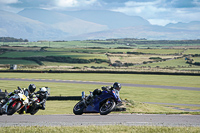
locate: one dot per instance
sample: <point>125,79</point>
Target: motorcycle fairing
<point>94,106</point>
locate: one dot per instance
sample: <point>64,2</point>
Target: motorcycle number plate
<point>24,97</point>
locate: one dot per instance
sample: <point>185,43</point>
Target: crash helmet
<point>117,86</point>
<point>43,89</point>
<point>31,88</point>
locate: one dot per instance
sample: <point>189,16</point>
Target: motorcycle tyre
<point>109,110</point>
<point>34,111</point>
<point>80,111</point>
<point>14,109</point>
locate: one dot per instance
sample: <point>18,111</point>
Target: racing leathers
<point>110,88</point>
<point>42,97</point>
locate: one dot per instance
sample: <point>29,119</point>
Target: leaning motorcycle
<point>15,103</point>
<point>34,102</point>
<point>32,106</point>
<point>103,103</point>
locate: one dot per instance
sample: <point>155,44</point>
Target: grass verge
<point>101,129</point>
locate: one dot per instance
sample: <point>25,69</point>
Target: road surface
<point>96,119</point>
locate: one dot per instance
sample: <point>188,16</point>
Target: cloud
<point>115,1</point>
<point>162,12</point>
<point>5,5</point>
<point>74,3</point>
<point>185,3</point>
<point>8,1</point>
<point>144,9</point>
<point>156,11</point>
<point>161,22</point>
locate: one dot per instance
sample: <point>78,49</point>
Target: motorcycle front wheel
<point>13,107</point>
<point>107,107</point>
<point>78,108</point>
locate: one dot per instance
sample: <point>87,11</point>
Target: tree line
<point>12,39</point>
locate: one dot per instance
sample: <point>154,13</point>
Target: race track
<point>96,119</point>
<point>107,84</point>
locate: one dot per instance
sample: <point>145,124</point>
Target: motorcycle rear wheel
<point>13,108</point>
<point>78,108</point>
<point>107,107</point>
<point>34,112</point>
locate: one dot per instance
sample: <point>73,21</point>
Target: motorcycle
<point>103,103</point>
<point>32,106</point>
<point>15,103</point>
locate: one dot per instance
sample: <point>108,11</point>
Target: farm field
<point>97,55</point>
<point>101,55</point>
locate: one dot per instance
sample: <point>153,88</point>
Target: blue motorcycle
<point>104,102</point>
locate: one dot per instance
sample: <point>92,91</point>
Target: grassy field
<point>43,54</point>
<point>137,59</point>
<point>90,50</point>
<point>160,51</point>
<point>15,61</point>
<point>139,94</point>
<point>111,50</point>
<point>167,80</point>
<point>69,44</point>
<point>102,129</point>
<point>192,51</point>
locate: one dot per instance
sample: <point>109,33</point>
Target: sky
<point>157,12</point>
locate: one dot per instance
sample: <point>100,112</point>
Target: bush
<point>155,58</point>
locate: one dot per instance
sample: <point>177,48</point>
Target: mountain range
<point>39,24</point>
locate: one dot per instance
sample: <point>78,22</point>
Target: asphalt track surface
<point>96,119</point>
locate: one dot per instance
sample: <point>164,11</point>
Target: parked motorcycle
<point>103,103</point>
<point>15,103</point>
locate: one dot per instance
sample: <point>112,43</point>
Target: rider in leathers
<point>43,95</point>
<point>116,88</point>
<point>27,92</point>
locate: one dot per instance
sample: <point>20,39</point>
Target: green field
<point>43,54</point>
<point>101,129</point>
<point>168,56</point>
<point>160,51</point>
<point>137,94</point>
<point>130,54</point>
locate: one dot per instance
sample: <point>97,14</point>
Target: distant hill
<point>113,20</point>
<point>38,24</point>
<point>13,25</point>
<point>194,25</point>
<point>66,23</point>
<point>149,32</point>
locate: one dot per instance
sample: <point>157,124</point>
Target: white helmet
<point>43,89</point>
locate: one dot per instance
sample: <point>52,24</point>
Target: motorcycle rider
<point>116,88</point>
<point>28,92</point>
<point>43,95</point>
